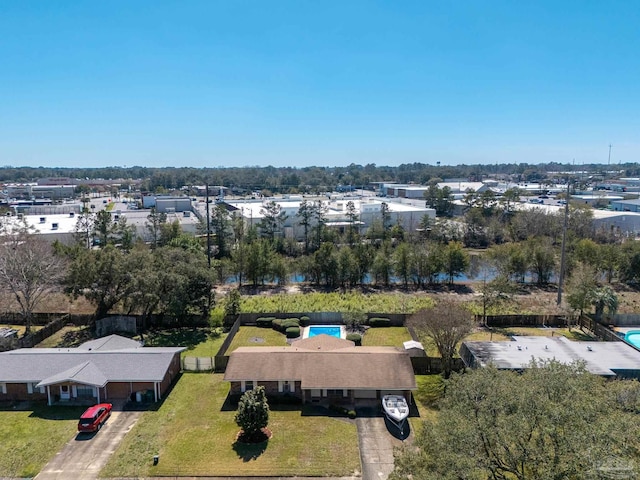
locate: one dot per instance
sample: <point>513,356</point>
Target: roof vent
<point>54,226</point>
<point>546,347</point>
<point>590,348</point>
<point>43,219</point>
<point>519,347</point>
<point>72,214</point>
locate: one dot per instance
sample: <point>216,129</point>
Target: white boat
<point>396,409</point>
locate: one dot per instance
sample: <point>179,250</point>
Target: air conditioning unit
<point>54,226</point>
<point>43,219</point>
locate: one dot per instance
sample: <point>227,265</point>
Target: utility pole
<point>609,160</point>
<point>564,242</point>
<point>206,196</point>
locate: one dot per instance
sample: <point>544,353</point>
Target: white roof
<point>412,344</point>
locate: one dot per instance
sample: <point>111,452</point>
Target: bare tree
<point>29,269</point>
<point>447,324</point>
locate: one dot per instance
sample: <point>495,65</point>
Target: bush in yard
<point>253,414</point>
<point>355,337</point>
<point>290,322</point>
<point>264,322</point>
<point>305,321</point>
<point>379,322</point>
<point>277,325</point>
<point>293,332</point>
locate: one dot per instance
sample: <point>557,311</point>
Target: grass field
<point>195,436</point>
<point>200,342</point>
<point>247,336</point>
<point>31,438</point>
<point>385,337</point>
<point>396,302</point>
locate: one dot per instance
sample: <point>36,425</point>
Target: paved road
<point>377,439</point>
<point>83,456</point>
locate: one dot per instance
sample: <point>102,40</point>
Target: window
<point>3,388</point>
<point>85,391</point>
<point>31,388</point>
<point>247,385</point>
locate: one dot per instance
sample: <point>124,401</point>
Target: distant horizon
<point>296,83</point>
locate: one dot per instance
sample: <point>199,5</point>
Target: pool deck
<point>343,330</point>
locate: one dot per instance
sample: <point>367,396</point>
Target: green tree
<point>455,260</point>
<point>542,259</point>
<point>440,199</point>
<point>604,298</point>
<point>402,262</point>
<point>253,414</point>
<point>580,287</point>
<point>305,214</point>
<point>352,217</point>
<point>553,421</point>
<point>232,303</point>
<point>273,220</point>
<point>447,324</point>
<point>153,225</point>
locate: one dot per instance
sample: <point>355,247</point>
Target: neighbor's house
<point>608,359</point>
<point>322,368</point>
<point>109,368</point>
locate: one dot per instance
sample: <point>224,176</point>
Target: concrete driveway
<point>84,455</point>
<point>377,438</point>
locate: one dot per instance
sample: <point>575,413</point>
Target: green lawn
<point>200,341</point>
<point>194,435</point>
<point>31,438</point>
<point>250,337</point>
<point>385,337</point>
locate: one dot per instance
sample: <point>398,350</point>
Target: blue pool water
<point>633,337</point>
<point>333,331</point>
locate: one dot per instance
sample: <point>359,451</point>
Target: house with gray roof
<point>322,368</point>
<point>106,369</point>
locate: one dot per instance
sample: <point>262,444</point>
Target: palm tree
<point>604,297</point>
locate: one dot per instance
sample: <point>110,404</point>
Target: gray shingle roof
<point>122,364</point>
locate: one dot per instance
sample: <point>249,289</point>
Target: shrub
<point>293,332</point>
<point>290,322</point>
<point>305,321</point>
<point>379,322</point>
<point>342,410</point>
<point>355,337</point>
<point>264,322</point>
<point>277,325</point>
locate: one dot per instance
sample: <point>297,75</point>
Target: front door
<point>65,392</point>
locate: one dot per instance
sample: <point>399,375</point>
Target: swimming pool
<point>334,331</point>
<point>633,337</point>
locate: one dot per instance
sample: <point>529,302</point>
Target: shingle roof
<point>86,373</point>
<point>122,364</point>
<point>110,342</point>
<point>357,368</point>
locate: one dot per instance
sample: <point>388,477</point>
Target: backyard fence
<point>45,332</point>
<point>524,320</point>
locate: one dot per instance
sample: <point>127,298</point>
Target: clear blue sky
<point>297,83</point>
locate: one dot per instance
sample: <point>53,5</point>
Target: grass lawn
<point>430,389</point>
<point>385,337</point>
<point>200,342</point>
<point>194,435</point>
<point>246,337</point>
<point>31,438</point>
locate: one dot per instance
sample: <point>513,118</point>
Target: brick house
<point>322,368</point>
<point>109,368</point>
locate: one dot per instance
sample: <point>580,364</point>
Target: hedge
<point>265,322</point>
<point>355,337</point>
<point>293,332</point>
<point>305,321</point>
<point>379,322</point>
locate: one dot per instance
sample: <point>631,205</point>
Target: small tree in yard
<point>446,324</point>
<point>253,415</point>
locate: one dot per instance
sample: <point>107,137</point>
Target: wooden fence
<point>524,320</point>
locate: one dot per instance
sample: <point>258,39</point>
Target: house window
<point>85,391</point>
<point>247,385</point>
<point>31,388</point>
<point>3,388</point>
<point>286,386</point>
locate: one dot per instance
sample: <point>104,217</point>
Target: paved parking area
<point>377,438</point>
<point>84,455</point>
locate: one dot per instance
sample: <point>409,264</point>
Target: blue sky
<point>297,83</point>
